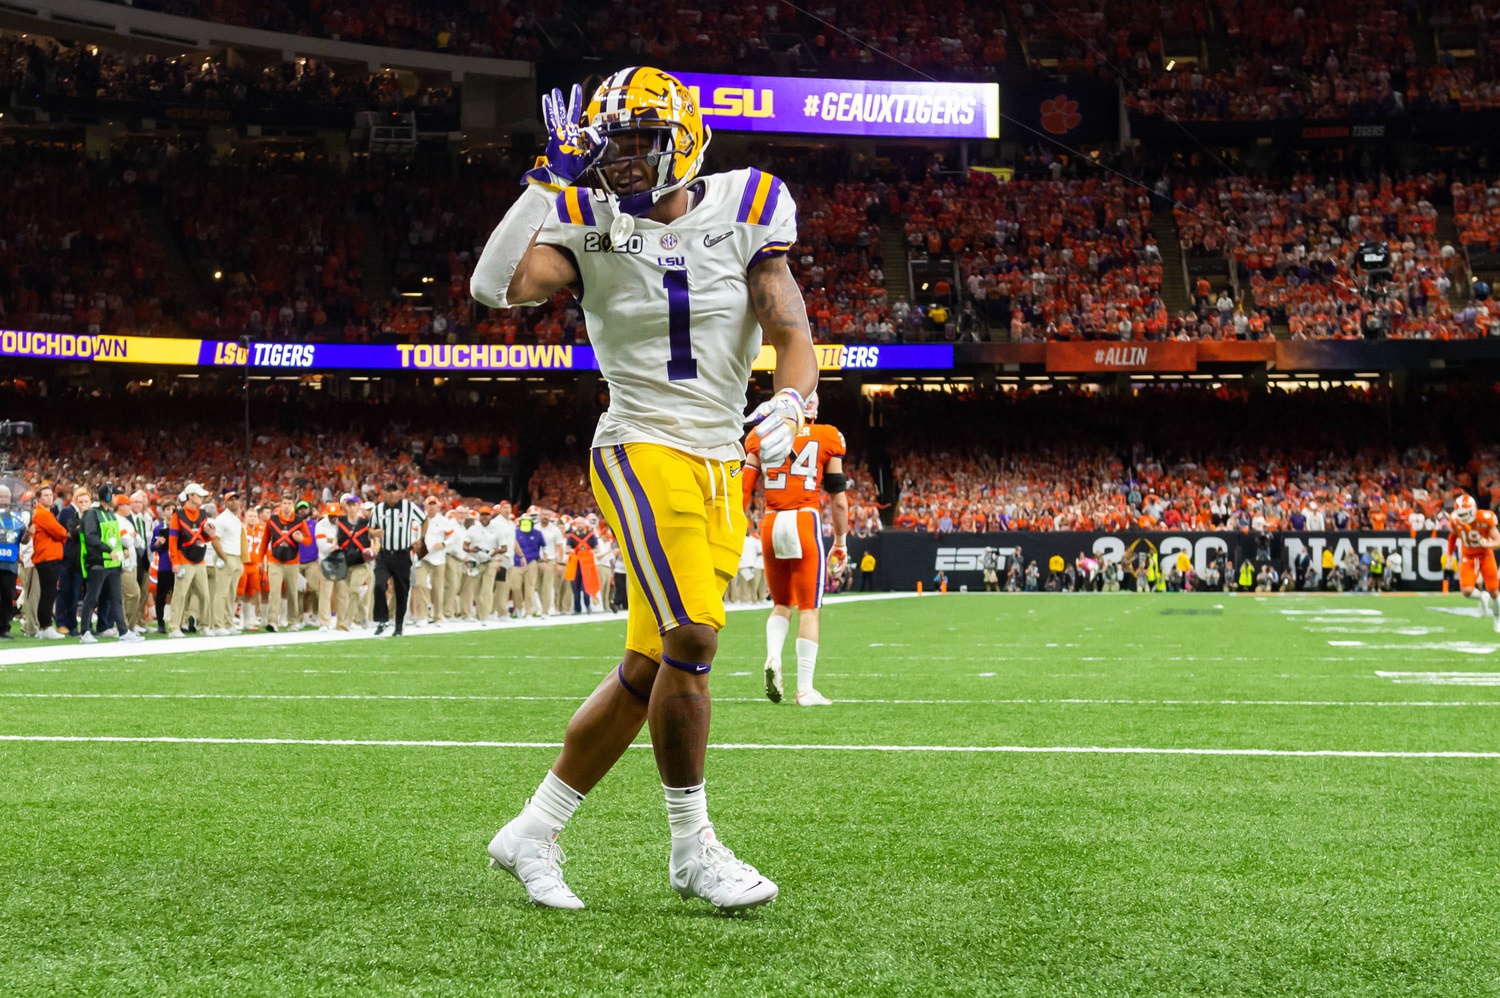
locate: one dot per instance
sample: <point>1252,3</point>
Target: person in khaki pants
<point>548,558</point>
<point>427,590</point>
<point>229,543</point>
<point>483,547</point>
<point>325,535</point>
<point>188,548</point>
<point>132,599</point>
<point>453,569</point>
<point>352,535</point>
<point>281,547</point>
<point>530,574</point>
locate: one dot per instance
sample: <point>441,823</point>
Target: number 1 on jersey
<point>681,366</point>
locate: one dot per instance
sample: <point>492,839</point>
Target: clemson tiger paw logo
<point>1060,115</point>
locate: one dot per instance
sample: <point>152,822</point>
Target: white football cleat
<point>88,638</point>
<point>812,698</point>
<point>537,864</point>
<point>774,691</point>
<point>716,875</point>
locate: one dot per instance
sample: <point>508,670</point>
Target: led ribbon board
<point>885,108</point>
<point>316,357</point>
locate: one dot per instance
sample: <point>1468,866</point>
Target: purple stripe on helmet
<point>696,668</point>
<point>614,498</point>
<point>748,200</point>
<point>653,540</point>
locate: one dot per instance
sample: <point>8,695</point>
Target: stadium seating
<point>75,254</point>
<point>35,64</point>
<point>1294,242</point>
<point>1059,460</point>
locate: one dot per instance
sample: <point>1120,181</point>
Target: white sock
<point>552,805</point>
<point>687,816</point>
<point>1484,603</point>
<point>807,661</point>
<point>776,628</point>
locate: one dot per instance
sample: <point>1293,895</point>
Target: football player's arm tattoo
<point>779,307</point>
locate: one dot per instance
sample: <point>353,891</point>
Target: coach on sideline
<point>397,523</point>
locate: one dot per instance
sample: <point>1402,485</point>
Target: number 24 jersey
<point>797,483</point>
<point>668,310</point>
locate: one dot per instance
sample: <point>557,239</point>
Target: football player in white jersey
<point>680,278</point>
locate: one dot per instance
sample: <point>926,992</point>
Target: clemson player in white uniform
<point>791,535</point>
<point>1476,535</point>
<point>680,277</point>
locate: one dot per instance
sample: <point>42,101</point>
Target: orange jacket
<point>49,535</point>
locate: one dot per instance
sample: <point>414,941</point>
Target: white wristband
<point>507,244</point>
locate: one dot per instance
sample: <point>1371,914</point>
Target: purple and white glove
<point>777,422</point>
<point>571,148</point>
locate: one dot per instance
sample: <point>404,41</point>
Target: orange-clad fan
<point>47,538</point>
<point>791,536</point>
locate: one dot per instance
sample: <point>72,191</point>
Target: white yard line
<point>1442,678</point>
<point>769,747</point>
<point>1013,701</point>
<point>71,650</point>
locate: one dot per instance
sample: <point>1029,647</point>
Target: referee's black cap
<point>392,487</point>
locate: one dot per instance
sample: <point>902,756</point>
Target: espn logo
<point>968,559</point>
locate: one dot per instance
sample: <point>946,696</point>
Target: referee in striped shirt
<point>396,523</point>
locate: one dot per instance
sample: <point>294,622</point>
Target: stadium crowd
<point>280,246</point>
<point>1192,460</point>
<point>959,41</point>
<point>39,66</point>
<point>1294,245</point>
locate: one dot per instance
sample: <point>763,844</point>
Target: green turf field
<point>149,868</point>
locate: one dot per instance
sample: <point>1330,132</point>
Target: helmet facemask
<point>637,165</point>
<point>653,135</point>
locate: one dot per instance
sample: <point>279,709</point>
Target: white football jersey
<point>668,311</point>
